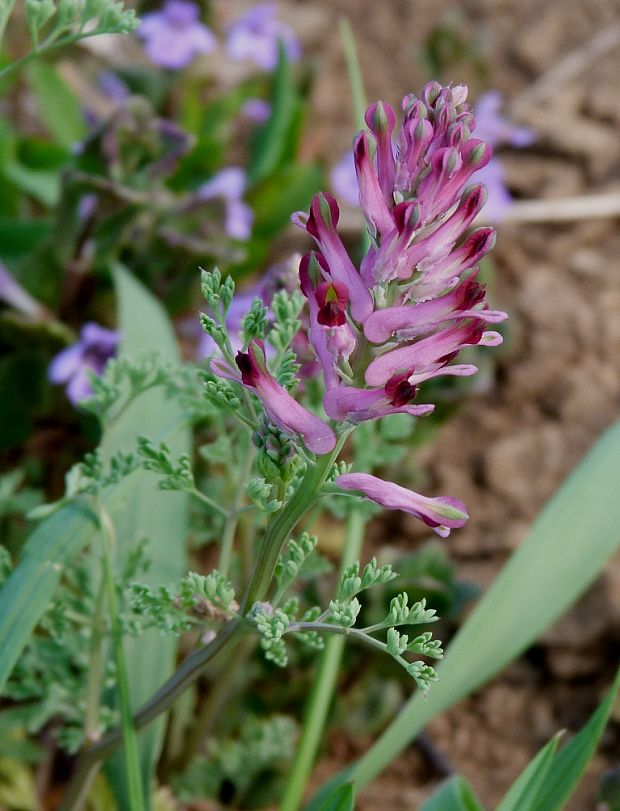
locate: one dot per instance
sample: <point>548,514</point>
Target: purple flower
<point>90,353</point>
<point>492,127</point>
<point>113,87</point>
<point>496,130</point>
<point>255,35</point>
<point>229,184</point>
<point>281,408</point>
<point>344,180</point>
<point>174,35</point>
<point>256,110</point>
<point>16,296</point>
<point>442,513</point>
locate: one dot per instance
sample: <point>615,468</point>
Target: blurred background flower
<point>72,366</point>
<point>255,35</point>
<point>174,36</point>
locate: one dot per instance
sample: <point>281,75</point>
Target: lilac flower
<point>496,130</point>
<point>493,128</point>
<point>174,35</point>
<point>256,110</point>
<point>90,353</point>
<point>113,87</point>
<point>16,296</point>
<point>255,35</point>
<point>229,184</point>
<point>344,180</point>
<point>281,408</point>
<point>442,514</point>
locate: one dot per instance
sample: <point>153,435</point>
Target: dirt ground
<point>557,384</point>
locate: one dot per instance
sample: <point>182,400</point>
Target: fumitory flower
<point>381,330</point>
<point>175,35</point>
<point>442,513</point>
<point>282,409</point>
<point>255,35</point>
<point>72,366</point>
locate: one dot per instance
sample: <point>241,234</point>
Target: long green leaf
<point>28,591</point>
<point>566,548</point>
<point>149,513</point>
<point>343,799</point>
<point>455,794</point>
<point>59,107</point>
<point>525,788</point>
<point>571,761</point>
<point>272,140</point>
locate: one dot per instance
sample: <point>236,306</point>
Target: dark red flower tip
<point>399,390</point>
<point>479,243</point>
<point>472,293</point>
<point>248,368</point>
<point>332,298</point>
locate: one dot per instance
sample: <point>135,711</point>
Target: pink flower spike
<point>442,513</point>
<point>282,409</point>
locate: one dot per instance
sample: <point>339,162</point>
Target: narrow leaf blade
<point>572,760</point>
<point>568,545</point>
<point>456,794</point>
<point>524,790</point>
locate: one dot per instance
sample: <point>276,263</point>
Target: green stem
<point>353,69</point>
<point>230,527</point>
<point>194,666</point>
<point>95,669</point>
<point>284,522</point>
<point>320,698</point>
<point>187,673</point>
<point>130,740</point>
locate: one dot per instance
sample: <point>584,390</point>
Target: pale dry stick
<point>567,69</point>
<point>581,207</point>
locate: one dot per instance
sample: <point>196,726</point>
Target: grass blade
<point>525,788</point>
<point>456,794</point>
<point>568,545</point>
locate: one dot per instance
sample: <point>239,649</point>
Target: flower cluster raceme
<point>403,317</point>
<point>415,303</point>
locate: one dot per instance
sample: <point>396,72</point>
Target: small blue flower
<point>229,184</point>
<point>255,35</point>
<point>90,353</point>
<point>175,35</point>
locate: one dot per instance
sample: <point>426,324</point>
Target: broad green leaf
<point>58,106</point>
<point>43,185</point>
<point>271,142</point>
<point>571,761</point>
<point>148,512</point>
<point>342,799</point>
<point>566,548</point>
<point>28,591</point>
<point>456,794</point>
<point>19,237</point>
<point>525,789</point>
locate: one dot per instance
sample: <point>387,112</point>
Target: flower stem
<point>95,668</point>
<point>130,740</point>
<point>194,666</point>
<point>284,522</point>
<point>320,699</point>
<point>230,527</point>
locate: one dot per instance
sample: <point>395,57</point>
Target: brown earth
<point>557,384</point>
